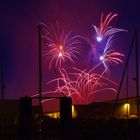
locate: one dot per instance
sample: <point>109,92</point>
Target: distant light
<point>74,113</point>
<point>126,106</point>
<point>60,54</point>
<point>99,38</point>
<point>56,115</point>
<point>101,58</point>
<point>126,109</point>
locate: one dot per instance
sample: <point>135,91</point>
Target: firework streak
<point>81,86</point>
<point>104,29</point>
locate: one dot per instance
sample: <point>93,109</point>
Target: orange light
<point>126,108</point>
<point>74,113</point>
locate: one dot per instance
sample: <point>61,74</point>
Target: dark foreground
<point>50,129</point>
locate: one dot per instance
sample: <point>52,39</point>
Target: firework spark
<point>104,29</point>
<point>60,46</point>
<point>82,85</point>
<point>110,56</point>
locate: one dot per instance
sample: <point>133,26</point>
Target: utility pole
<point>137,72</point>
<point>125,68</point>
<point>134,43</point>
<point>39,65</point>
<point>1,80</point>
<point>127,89</point>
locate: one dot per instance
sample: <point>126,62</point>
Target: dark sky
<point>19,42</point>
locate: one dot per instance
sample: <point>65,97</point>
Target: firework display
<point>104,29</point>
<point>82,84</point>
<point>60,46</point>
<point>109,56</point>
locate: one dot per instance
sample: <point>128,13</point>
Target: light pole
<point>122,78</point>
<point>127,88</point>
<point>137,72</point>
<point>1,80</point>
<point>39,65</point>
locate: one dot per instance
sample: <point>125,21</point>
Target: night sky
<point>19,42</point>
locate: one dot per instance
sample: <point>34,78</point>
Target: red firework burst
<point>60,46</point>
